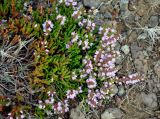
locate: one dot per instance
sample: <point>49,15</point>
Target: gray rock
<point>125,49</point>
<point>113,89</point>
<point>150,100</point>
<point>107,15</point>
<point>121,91</point>
<point>147,1</point>
<point>119,59</point>
<point>124,7</point>
<point>153,21</point>
<point>130,18</point>
<point>112,113</point>
<point>140,59</point>
<point>157,69</point>
<point>76,113</point>
<point>92,3</point>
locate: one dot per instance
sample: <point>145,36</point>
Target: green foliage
<point>5,7</point>
<point>10,8</point>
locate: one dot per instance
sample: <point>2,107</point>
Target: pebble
<point>157,69</point>
<point>121,91</point>
<point>142,10</point>
<point>124,7</point>
<point>77,114</point>
<point>107,15</point>
<point>150,100</point>
<point>92,3</point>
<point>125,49</point>
<point>132,36</point>
<point>112,113</point>
<point>153,21</point>
<point>130,18</point>
<point>113,89</point>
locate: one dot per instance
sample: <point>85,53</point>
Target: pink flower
<point>91,82</point>
<point>71,94</point>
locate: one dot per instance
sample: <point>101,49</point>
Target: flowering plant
<point>74,59</point>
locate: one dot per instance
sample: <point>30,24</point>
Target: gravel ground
<point>138,22</point>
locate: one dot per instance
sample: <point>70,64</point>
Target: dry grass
<point>14,68</point>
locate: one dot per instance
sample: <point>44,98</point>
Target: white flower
<point>22,116</point>
<point>35,25</point>
<point>47,26</point>
<point>40,106</point>
<point>75,37</point>
<point>60,1</point>
<point>80,42</point>
<point>62,18</point>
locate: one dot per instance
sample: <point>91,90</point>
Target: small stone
<point>77,114</point>
<point>141,11</point>
<point>112,113</point>
<point>131,7</point>
<point>153,21</point>
<point>92,3</point>
<point>107,115</point>
<point>150,100</point>
<point>107,15</point>
<point>103,9</point>
<point>132,36</point>
<point>119,59</point>
<point>157,69</point>
<point>124,5</point>
<point>121,91</point>
<point>130,18</point>
<point>113,89</point>
<point>125,49</point>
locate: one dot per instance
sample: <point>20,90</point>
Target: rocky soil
<point>138,22</point>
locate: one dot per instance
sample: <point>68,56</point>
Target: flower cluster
<point>88,65</point>
<point>47,26</point>
<point>94,97</point>
<point>88,24</point>
<point>131,79</point>
<point>44,44</point>
<point>74,39</point>
<point>70,3</point>
<point>71,94</point>
<point>91,82</point>
<point>48,101</point>
<point>61,107</point>
<point>77,13</point>
<point>74,76</point>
